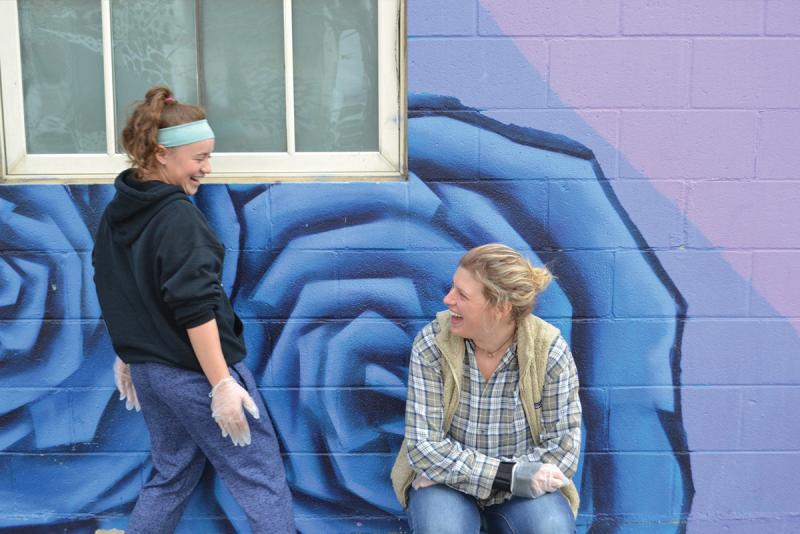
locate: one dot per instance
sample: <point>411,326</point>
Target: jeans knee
<point>442,510</point>
<point>555,523</point>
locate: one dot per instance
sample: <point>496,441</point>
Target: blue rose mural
<point>333,281</point>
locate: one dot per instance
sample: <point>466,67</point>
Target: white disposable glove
<point>534,479</point>
<point>227,400</point>
<point>122,377</point>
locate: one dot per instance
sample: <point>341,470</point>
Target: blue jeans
<point>441,509</point>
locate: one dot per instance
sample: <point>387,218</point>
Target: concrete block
<point>101,423</point>
<point>712,417</point>
<point>431,274</point>
<point>743,215</point>
<point>685,17</point>
<point>8,503</point>
<point>625,352</point>
<point>339,215</point>
<point>351,525</point>
<point>445,18</point>
<point>594,403</point>
<point>272,284</point>
<point>740,351</point>
<point>539,17</point>
<point>587,278</point>
<point>482,73</point>
<point>366,475</point>
<point>611,73</point>
<point>585,214</point>
<point>688,144</point>
<point>783,17</point>
<point>252,203</point>
<point>442,149</point>
<point>611,472</point>
<point>743,525</point>
<point>69,488</point>
<point>707,282</point>
<point>778,156</point>
<point>598,130</point>
<point>775,291</point>
<point>338,420</point>
<point>514,213</point>
<point>48,286</point>
<point>642,288</point>
<point>337,354</point>
<point>634,420</point>
<point>503,159</point>
<point>655,215</point>
<point>746,73</point>
<point>733,485</point>
<point>770,420</point>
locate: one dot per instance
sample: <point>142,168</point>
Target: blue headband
<point>185,134</point>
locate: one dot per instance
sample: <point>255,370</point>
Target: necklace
<point>493,353</point>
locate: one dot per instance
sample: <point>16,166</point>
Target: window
<point>293,88</point>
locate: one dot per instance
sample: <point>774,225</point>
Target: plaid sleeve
<point>560,415</point>
<point>430,451</point>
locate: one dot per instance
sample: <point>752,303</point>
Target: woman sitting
<point>493,418</point>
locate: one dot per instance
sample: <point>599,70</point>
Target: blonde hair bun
<point>507,277</point>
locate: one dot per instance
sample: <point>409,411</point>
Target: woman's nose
<point>448,298</point>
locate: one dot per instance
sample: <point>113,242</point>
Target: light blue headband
<point>185,134</point>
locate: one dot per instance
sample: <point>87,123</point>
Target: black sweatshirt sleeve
<point>190,267</point>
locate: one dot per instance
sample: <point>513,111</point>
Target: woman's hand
<point>534,479</point>
<point>122,377</point>
<point>227,400</point>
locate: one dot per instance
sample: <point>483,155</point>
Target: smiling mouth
<point>454,315</point>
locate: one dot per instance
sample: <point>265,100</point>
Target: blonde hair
<point>159,109</point>
<point>507,277</point>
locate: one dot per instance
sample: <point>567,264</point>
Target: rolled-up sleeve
<point>191,287</point>
<point>188,267</point>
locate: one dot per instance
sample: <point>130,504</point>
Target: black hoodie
<point>158,266</point>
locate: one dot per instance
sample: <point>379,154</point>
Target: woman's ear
<point>161,154</point>
<point>503,311</point>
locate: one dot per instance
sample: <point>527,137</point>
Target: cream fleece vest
<point>534,338</point>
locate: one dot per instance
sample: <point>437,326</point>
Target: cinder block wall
<point>668,213</point>
<point>692,110</point>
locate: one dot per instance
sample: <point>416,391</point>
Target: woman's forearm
<point>208,349</point>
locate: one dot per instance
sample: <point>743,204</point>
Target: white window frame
<point>388,163</point>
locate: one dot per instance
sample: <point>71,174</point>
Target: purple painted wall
<point>693,110</point>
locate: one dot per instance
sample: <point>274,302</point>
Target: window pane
<point>62,76</point>
<point>243,74</point>
<point>154,43</point>
<point>335,74</point>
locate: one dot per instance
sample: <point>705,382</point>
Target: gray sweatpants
<point>183,435</point>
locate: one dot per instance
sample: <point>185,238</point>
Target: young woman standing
<point>158,271</point>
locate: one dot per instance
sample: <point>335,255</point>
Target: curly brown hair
<point>159,109</point>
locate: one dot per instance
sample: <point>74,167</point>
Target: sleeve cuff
<point>198,318</point>
<point>485,474</point>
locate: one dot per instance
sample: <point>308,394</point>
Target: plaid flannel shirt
<point>489,425</point>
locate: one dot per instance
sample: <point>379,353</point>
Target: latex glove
<point>122,377</point>
<point>227,400</point>
<point>534,479</point>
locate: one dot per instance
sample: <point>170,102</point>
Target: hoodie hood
<point>136,203</point>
